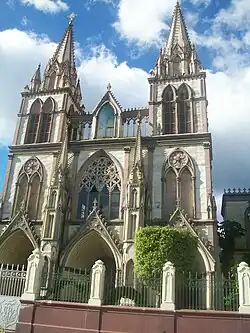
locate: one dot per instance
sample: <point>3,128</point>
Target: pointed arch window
<point>28,189</point>
<point>179,184</point>
<point>177,66</point>
<point>106,122</point>
<point>169,115</point>
<point>52,81</point>
<point>186,197</point>
<point>33,122</point>
<point>100,182</point>
<point>184,110</point>
<point>46,120</point>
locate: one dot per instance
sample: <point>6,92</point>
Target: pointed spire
<point>138,145</point>
<point>62,64</point>
<point>35,82</point>
<point>137,174</point>
<point>65,50</point>
<point>178,32</point>
<point>78,93</point>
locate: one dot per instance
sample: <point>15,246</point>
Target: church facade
<point>79,183</point>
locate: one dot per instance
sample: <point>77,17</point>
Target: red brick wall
<point>55,317</point>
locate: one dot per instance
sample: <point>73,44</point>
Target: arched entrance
<point>16,249</point>
<point>88,250</point>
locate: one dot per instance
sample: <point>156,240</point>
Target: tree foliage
<point>155,245</point>
<point>228,232</point>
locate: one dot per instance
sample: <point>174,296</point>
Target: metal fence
<point>69,285</point>
<point>12,280</point>
<point>206,290</point>
<point>132,291</point>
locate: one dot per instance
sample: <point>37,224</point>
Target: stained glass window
<point>106,122</point>
<point>100,182</point>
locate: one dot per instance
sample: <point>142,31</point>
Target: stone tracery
<point>101,182</point>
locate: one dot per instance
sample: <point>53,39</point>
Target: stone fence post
<point>33,276</point>
<point>97,283</point>
<point>244,287</point>
<point>168,287</point>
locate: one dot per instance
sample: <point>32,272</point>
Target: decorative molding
<point>9,312</point>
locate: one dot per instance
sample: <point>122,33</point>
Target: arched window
<point>106,122</point>
<point>134,199</point>
<point>170,194</point>
<point>187,190</point>
<point>101,183</point>
<point>33,122</point>
<point>52,81</point>
<point>169,120</point>
<point>46,119</point>
<point>179,184</point>
<point>184,111</point>
<point>21,192</point>
<point>29,188</point>
<point>34,196</point>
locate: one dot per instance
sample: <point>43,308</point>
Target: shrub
<point>154,245</point>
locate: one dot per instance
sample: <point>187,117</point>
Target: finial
<point>95,204</point>
<point>109,87</point>
<point>71,18</point>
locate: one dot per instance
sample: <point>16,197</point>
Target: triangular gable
<point>96,222</point>
<point>21,221</point>
<point>108,97</point>
<point>179,220</point>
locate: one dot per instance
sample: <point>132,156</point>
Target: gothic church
<point>79,182</point>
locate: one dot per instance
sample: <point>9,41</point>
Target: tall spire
<point>178,32</point>
<point>61,69</point>
<point>178,56</point>
<point>65,50</point>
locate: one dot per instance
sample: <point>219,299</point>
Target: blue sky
<point>118,42</point>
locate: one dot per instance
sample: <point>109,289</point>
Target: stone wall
<point>53,317</point>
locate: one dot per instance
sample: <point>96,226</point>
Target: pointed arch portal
<point>16,249</point>
<point>88,250</point>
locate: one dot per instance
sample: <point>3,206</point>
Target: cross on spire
<point>71,17</point>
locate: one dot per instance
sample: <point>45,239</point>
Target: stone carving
<point>178,159</point>
<point>31,166</point>
<point>9,312</point>
<point>101,172</point>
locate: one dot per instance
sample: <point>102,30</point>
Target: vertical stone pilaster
<point>97,283</point>
<point>168,287</point>
<point>244,287</point>
<point>33,277</point>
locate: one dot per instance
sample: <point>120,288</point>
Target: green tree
<point>154,245</point>
<point>228,232</point>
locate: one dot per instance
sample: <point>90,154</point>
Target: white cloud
<point>143,22</point>
<point>47,6</point>
<point>20,54</point>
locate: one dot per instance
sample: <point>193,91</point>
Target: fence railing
<point>207,290</point>
<point>132,291</point>
<point>69,285</point>
<point>12,280</point>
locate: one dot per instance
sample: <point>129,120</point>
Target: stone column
<point>97,283</point>
<point>244,287</point>
<point>33,277</point>
<point>168,287</point>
